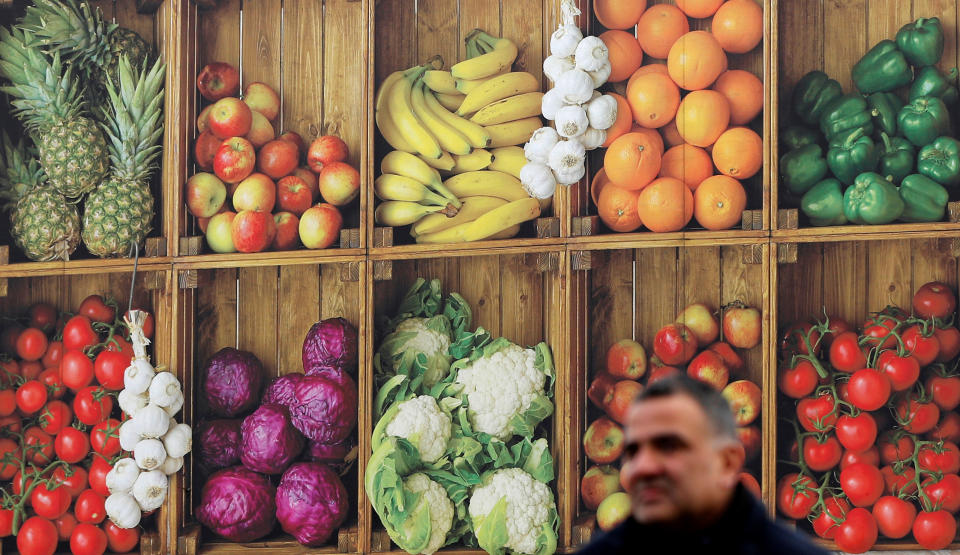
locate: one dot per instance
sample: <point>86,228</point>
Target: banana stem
<point>472,50</point>
<point>483,39</point>
<point>449,211</point>
<point>445,193</point>
<point>429,197</point>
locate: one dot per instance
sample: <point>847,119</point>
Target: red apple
<point>601,389</point>
<point>325,150</point>
<point>598,483</point>
<point>277,158</point>
<point>627,359</point>
<point>288,231</point>
<point>660,373</point>
<point>205,148</point>
<point>623,394</point>
<point>729,356</point>
<point>751,484</point>
<point>253,231</point>
<point>613,511</point>
<point>204,195</point>
<point>218,80</point>
<point>709,368</point>
<point>751,439</point>
<point>296,139</point>
<point>339,183</point>
<point>261,132</point>
<point>701,322</point>
<point>741,326</point>
<point>234,160</point>
<point>603,441</point>
<point>675,344</point>
<point>293,195</point>
<point>320,226</point>
<point>203,120</point>
<point>744,398</point>
<point>262,98</point>
<point>219,232</point>
<point>256,192</point>
<point>310,179</point>
<point>230,117</point>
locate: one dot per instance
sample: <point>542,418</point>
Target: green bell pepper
<point>930,81</point>
<point>924,200</point>
<point>796,136</point>
<point>884,107</point>
<point>872,200</point>
<point>897,157</point>
<point>923,120</point>
<point>845,114</point>
<point>940,161</point>
<point>882,69</point>
<point>921,41</point>
<point>802,168</point>
<point>812,94</point>
<point>851,155</point>
<point>823,203</point>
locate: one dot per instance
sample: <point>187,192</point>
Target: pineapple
<point>43,224</point>
<point>119,212</point>
<point>73,151</point>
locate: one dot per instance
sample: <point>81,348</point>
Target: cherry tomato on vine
<point>948,428</point>
<point>9,371</point>
<point>894,516</point>
<point>917,417</point>
<point>72,445</point>
<point>105,437</point>
<point>944,492</point>
<point>858,532</point>
<point>879,331</point>
<point>88,539</point>
<point>65,525</point>
<point>798,381</point>
<point>837,326</point>
<point>870,456</point>
<point>89,507</point>
<point>846,354</point>
<point>893,450</point>
<point>6,522</point>
<point>8,402</point>
<point>121,540</point>
<point>868,389</point>
<point>901,371</point>
<point>924,348</point>
<point>97,309</point>
<point>75,482</point>
<point>31,396</point>
<point>49,503</point>
<point>31,344</point>
<point>857,433</point>
<point>97,475</point>
<point>934,300</point>
<point>945,391</point>
<point>940,458</point>
<point>37,536</point>
<point>109,367</point>
<point>78,333</point>
<point>895,483</point>
<point>92,405</point>
<point>934,530</point>
<point>50,378</point>
<point>38,445</point>
<point>8,338</point>
<point>53,356</point>
<point>55,417</point>
<point>9,468</point>
<point>826,523</point>
<point>817,414</point>
<point>862,483</point>
<point>42,316</point>
<point>31,370</point>
<point>821,456</point>
<point>793,339</point>
<point>116,343</point>
<point>76,370</point>
<point>796,501</point>
<point>949,339</point>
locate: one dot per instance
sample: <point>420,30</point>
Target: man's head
<point>682,458</point>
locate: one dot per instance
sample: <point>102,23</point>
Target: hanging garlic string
<point>569,12</point>
<point>135,320</point>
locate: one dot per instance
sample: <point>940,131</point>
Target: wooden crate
<point>517,296</point>
<point>585,224</point>
<point>631,294</point>
<point>267,311</point>
<point>312,52</point>
<point>403,33</point>
<point>851,278</point>
<point>832,37</point>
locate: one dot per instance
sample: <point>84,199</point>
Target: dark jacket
<point>743,529</point>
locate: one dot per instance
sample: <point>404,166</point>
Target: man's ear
<point>732,457</point>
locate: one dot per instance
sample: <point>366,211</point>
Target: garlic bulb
<point>123,510</point>
<point>537,180</point>
<point>138,375</point>
<point>129,437</point>
<point>593,138</point>
<point>575,86</point>
<point>175,407</point>
<point>149,454</point>
<point>567,160</point>
<point>177,440</point>
<point>555,66</point>
<point>571,121</point>
<point>151,422</point>
<point>121,477</point>
<point>602,111</point>
<point>164,389</point>
<point>540,144</point>
<point>171,465</point>
<point>551,103</point>
<point>600,76</point>
<point>131,403</point>
<point>150,490</point>
<point>564,41</point>
<point>591,54</point>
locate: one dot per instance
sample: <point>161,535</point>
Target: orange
<point>654,99</point>
<point>696,60</point>
<point>719,202</point>
<point>738,26</point>
<point>738,153</point>
<point>660,27</point>
<point>652,134</point>
<point>618,14</point>
<point>599,182</point>
<point>624,54</point>
<point>632,161</point>
<point>744,92</point>
<point>617,208</point>
<point>699,8</point>
<point>665,205</point>
<point>624,120</point>
<point>687,163</point>
<point>649,68</point>
<point>671,137</point>
<point>702,117</point>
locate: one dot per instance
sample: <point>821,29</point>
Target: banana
<point>408,165</point>
<point>395,213</point>
<point>444,163</point>
<point>509,109</point>
<point>508,159</point>
<point>450,101</point>
<point>440,81</point>
<point>486,183</point>
<point>384,122</point>
<point>498,88</point>
<point>448,137</point>
<point>476,160</point>
<point>500,58</point>
<point>507,233</point>
<point>453,234</point>
<point>476,135</point>
<point>390,186</point>
<point>401,112</point>
<point>513,133</point>
<point>473,208</point>
<point>465,86</point>
<point>499,219</point>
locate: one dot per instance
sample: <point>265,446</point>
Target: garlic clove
<point>600,76</point>
<point>571,121</point>
<point>538,180</point>
<point>564,41</point>
<point>568,162</point>
<point>575,87</point>
<point>555,66</point>
<point>538,148</point>
<point>591,54</point>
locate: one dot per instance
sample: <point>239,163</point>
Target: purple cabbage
<point>329,453</point>
<point>238,504</point>
<point>269,442</point>
<point>311,502</point>
<point>332,343</point>
<point>325,407</point>
<point>231,382</point>
<point>281,390</point>
<point>317,370</point>
<point>217,443</point>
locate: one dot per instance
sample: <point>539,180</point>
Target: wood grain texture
<point>257,315</point>
<point>302,70</point>
<point>299,293</point>
<point>144,25</point>
<point>844,272</point>
<point>219,34</point>
<point>655,300</point>
<point>482,14</point>
<point>480,286</point>
<point>888,270</point>
<point>844,30</point>
<point>438,30</point>
<point>260,43</point>
<point>522,22</point>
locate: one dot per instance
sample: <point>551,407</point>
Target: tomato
<point>119,539</point>
<point>934,300</point>
<point>72,445</point>
<point>42,316</point>
<point>109,367</point>
<point>31,396</point>
<point>817,414</point>
<point>38,445</point>
<point>105,437</point>
<point>89,507</point>
<point>51,379</point>
<point>858,532</point>
<point>76,370</point>
<point>8,468</point>
<point>837,326</point>
<point>9,370</point>
<point>896,483</point>
<point>78,333</point>
<point>894,516</point>
<point>51,359</point>
<point>870,456</point>
<point>846,354</point>
<point>948,428</point>
<point>917,417</point>
<point>879,329</point>
<point>88,539</point>
<point>934,530</point>
<point>10,423</point>
<point>794,342</point>
<point>37,536</point>
<point>799,381</point>
<point>49,503</point>
<point>945,391</point>
<point>940,458</point>
<point>8,402</point>
<point>6,522</point>
<point>92,405</point>
<point>30,370</point>
<point>944,492</point>
<point>148,325</point>
<point>65,525</point>
<point>893,448</point>
<point>31,344</point>
<point>821,456</point>
<point>827,522</point>
<point>857,433</point>
<point>8,338</point>
<point>95,308</point>
<point>868,389</point>
<point>924,348</point>
<point>55,416</point>
<point>72,478</point>
<point>118,344</point>
<point>949,339</point>
<point>97,475</point>
<point>862,483</point>
<point>794,498</point>
<point>901,371</point>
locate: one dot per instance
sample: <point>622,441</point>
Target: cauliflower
<point>421,422</point>
<point>524,506</point>
<point>441,508</point>
<point>415,336</point>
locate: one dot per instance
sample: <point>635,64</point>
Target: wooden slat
<point>698,279</point>
<point>257,320</point>
<point>393,55</point>
<point>844,30</point>
<point>884,18</point>
<point>260,46</point>
<point>303,69</point>
<point>343,94</point>
<point>527,306</point>
<point>217,309</point>
<point>522,22</point>
<point>844,272</point>
<point>611,307</point>
<point>931,263</point>
<point>655,303</point>
<point>219,34</point>
<point>480,286</point>
<point>888,272</point>
<point>298,308</point>
<point>143,24</point>
<point>437,30</point>
<point>483,14</point>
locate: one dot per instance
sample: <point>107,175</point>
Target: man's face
<point>674,467</point>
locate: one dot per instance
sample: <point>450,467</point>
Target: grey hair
<point>714,406</point>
